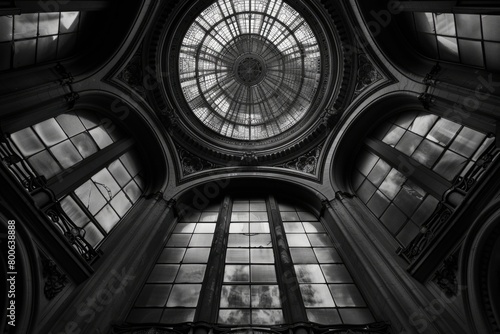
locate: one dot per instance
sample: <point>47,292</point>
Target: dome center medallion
<point>250,69</point>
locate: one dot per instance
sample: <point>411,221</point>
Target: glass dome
<point>249,69</point>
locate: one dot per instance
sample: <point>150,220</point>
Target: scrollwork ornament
<point>55,281</point>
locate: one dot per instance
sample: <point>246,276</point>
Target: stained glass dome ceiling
<point>249,69</point>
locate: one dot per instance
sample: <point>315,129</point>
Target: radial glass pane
<point>242,67</point>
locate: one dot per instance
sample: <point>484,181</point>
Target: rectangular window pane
<point>27,141</point>
<point>235,296</point>
<point>197,255</point>
<point>172,255</point>
<point>262,255</point>
<point>184,295</point>
<point>163,273</point>
<point>450,165</point>
<point>6,23</point>
<point>319,240</point>
<point>448,48</point>
<point>263,273</point>
<point>293,227</point>
<point>309,273</point>
<point>346,295</point>
<point>313,227</point>
<point>259,228</point>
<point>46,49</point>
<point>445,24</point>
<point>471,52</point>
<point>298,240</point>
<point>234,317</point>
<point>468,25</point>
<point>336,273</point>
<point>238,228</point>
<point>153,295</point>
<point>427,153</point>
<point>86,146</point>
<point>237,255</point>
<point>69,22</point>
<point>191,273</point>
<point>424,22</point>
<point>260,240</point>
<point>206,217</point>
<point>491,27</point>
<point>107,218</point>
<point>467,142</point>
<point>327,255</point>
<point>178,240</point>
<point>303,255</point>
<point>267,317</point>
<point>201,240</point>
<point>25,25</point>
<point>392,183</point>
<point>49,24</point>
<point>45,164</point>
<point>66,154</point>
<point>237,273</point>
<point>492,50</point>
<point>316,295</point>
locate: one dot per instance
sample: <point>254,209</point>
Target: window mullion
<point>429,180</point>
<point>73,177</point>
<point>291,298</point>
<point>212,284</point>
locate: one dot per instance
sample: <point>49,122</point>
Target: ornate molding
<point>307,163</point>
<point>169,119</point>
<point>133,74</point>
<point>366,75</point>
<point>430,82</point>
<point>55,281</point>
<point>330,117</point>
<point>446,276</point>
<point>191,164</point>
<point>160,58</point>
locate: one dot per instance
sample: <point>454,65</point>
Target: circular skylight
<point>249,70</point>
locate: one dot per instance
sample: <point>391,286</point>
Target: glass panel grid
<point>104,199</point>
<point>396,201</point>
<point>242,68</point>
<point>326,287</point>
<point>37,38</point>
<point>56,144</point>
<point>437,143</point>
<point>176,280</point>
<point>459,38</point>
<point>250,294</point>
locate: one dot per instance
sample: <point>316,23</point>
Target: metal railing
<point>35,184</point>
<point>437,222</point>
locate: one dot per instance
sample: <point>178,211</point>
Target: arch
<point>25,273</point>
<point>196,195</point>
<point>413,167</point>
<point>479,269</point>
<point>212,212</point>
<point>103,141</point>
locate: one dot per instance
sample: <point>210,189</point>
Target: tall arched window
<point>87,165</point>
<point>408,165</point>
<point>260,261</point>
